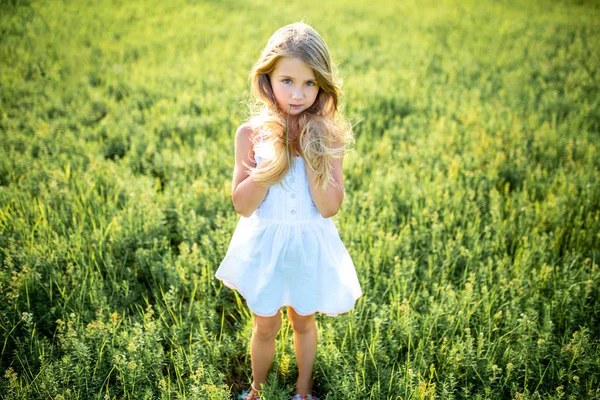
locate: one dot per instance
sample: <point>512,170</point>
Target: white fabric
<point>286,253</point>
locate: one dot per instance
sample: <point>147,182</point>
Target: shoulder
<point>244,144</point>
<point>244,131</point>
<point>244,137</point>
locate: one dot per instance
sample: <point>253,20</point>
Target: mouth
<point>296,106</point>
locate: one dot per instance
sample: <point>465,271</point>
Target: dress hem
<point>232,285</point>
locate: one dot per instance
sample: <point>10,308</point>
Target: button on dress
<point>287,254</point>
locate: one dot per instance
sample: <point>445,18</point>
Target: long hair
<point>323,132</point>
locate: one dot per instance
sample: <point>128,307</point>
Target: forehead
<point>294,67</point>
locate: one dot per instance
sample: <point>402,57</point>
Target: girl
<point>287,184</point>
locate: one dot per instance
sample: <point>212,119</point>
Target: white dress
<point>286,253</point>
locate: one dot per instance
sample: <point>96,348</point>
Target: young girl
<point>287,184</point>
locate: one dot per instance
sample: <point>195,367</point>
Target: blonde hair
<point>324,133</point>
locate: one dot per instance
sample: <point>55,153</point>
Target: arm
<point>328,201</point>
<point>246,194</point>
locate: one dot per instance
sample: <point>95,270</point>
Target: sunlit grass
<point>471,208</point>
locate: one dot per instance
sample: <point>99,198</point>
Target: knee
<point>302,324</point>
<point>266,328</point>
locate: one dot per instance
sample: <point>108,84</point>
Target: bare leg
<point>305,346</point>
<point>262,347</point>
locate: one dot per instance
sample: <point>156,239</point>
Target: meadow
<point>471,209</point>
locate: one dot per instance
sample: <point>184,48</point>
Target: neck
<point>291,127</point>
<point>290,118</point>
<point>291,122</point>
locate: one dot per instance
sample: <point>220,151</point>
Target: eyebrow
<point>291,77</point>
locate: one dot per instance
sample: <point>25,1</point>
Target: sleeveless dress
<point>287,254</point>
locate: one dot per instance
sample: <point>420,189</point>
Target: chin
<point>295,112</point>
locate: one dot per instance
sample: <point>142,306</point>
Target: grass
<point>471,210</point>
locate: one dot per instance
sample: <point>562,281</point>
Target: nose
<point>297,93</point>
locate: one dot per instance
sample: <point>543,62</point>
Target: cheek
<point>279,90</point>
<point>276,94</point>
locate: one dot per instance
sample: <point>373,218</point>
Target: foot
<point>252,394</point>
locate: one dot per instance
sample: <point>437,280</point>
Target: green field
<point>472,207</point>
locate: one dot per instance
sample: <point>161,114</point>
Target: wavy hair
<point>323,132</point>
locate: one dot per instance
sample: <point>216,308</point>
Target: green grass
<point>471,210</point>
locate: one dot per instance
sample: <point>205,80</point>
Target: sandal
<point>304,397</point>
<point>247,396</point>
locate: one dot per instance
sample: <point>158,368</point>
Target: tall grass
<point>471,209</point>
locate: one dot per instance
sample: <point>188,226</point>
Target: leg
<point>262,346</point>
<point>305,346</point>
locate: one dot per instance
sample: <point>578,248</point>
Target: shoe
<point>304,397</point>
<point>247,396</point>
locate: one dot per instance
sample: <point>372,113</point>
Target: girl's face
<point>294,84</point>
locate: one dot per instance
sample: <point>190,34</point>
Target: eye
<point>310,83</point>
<point>286,81</point>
